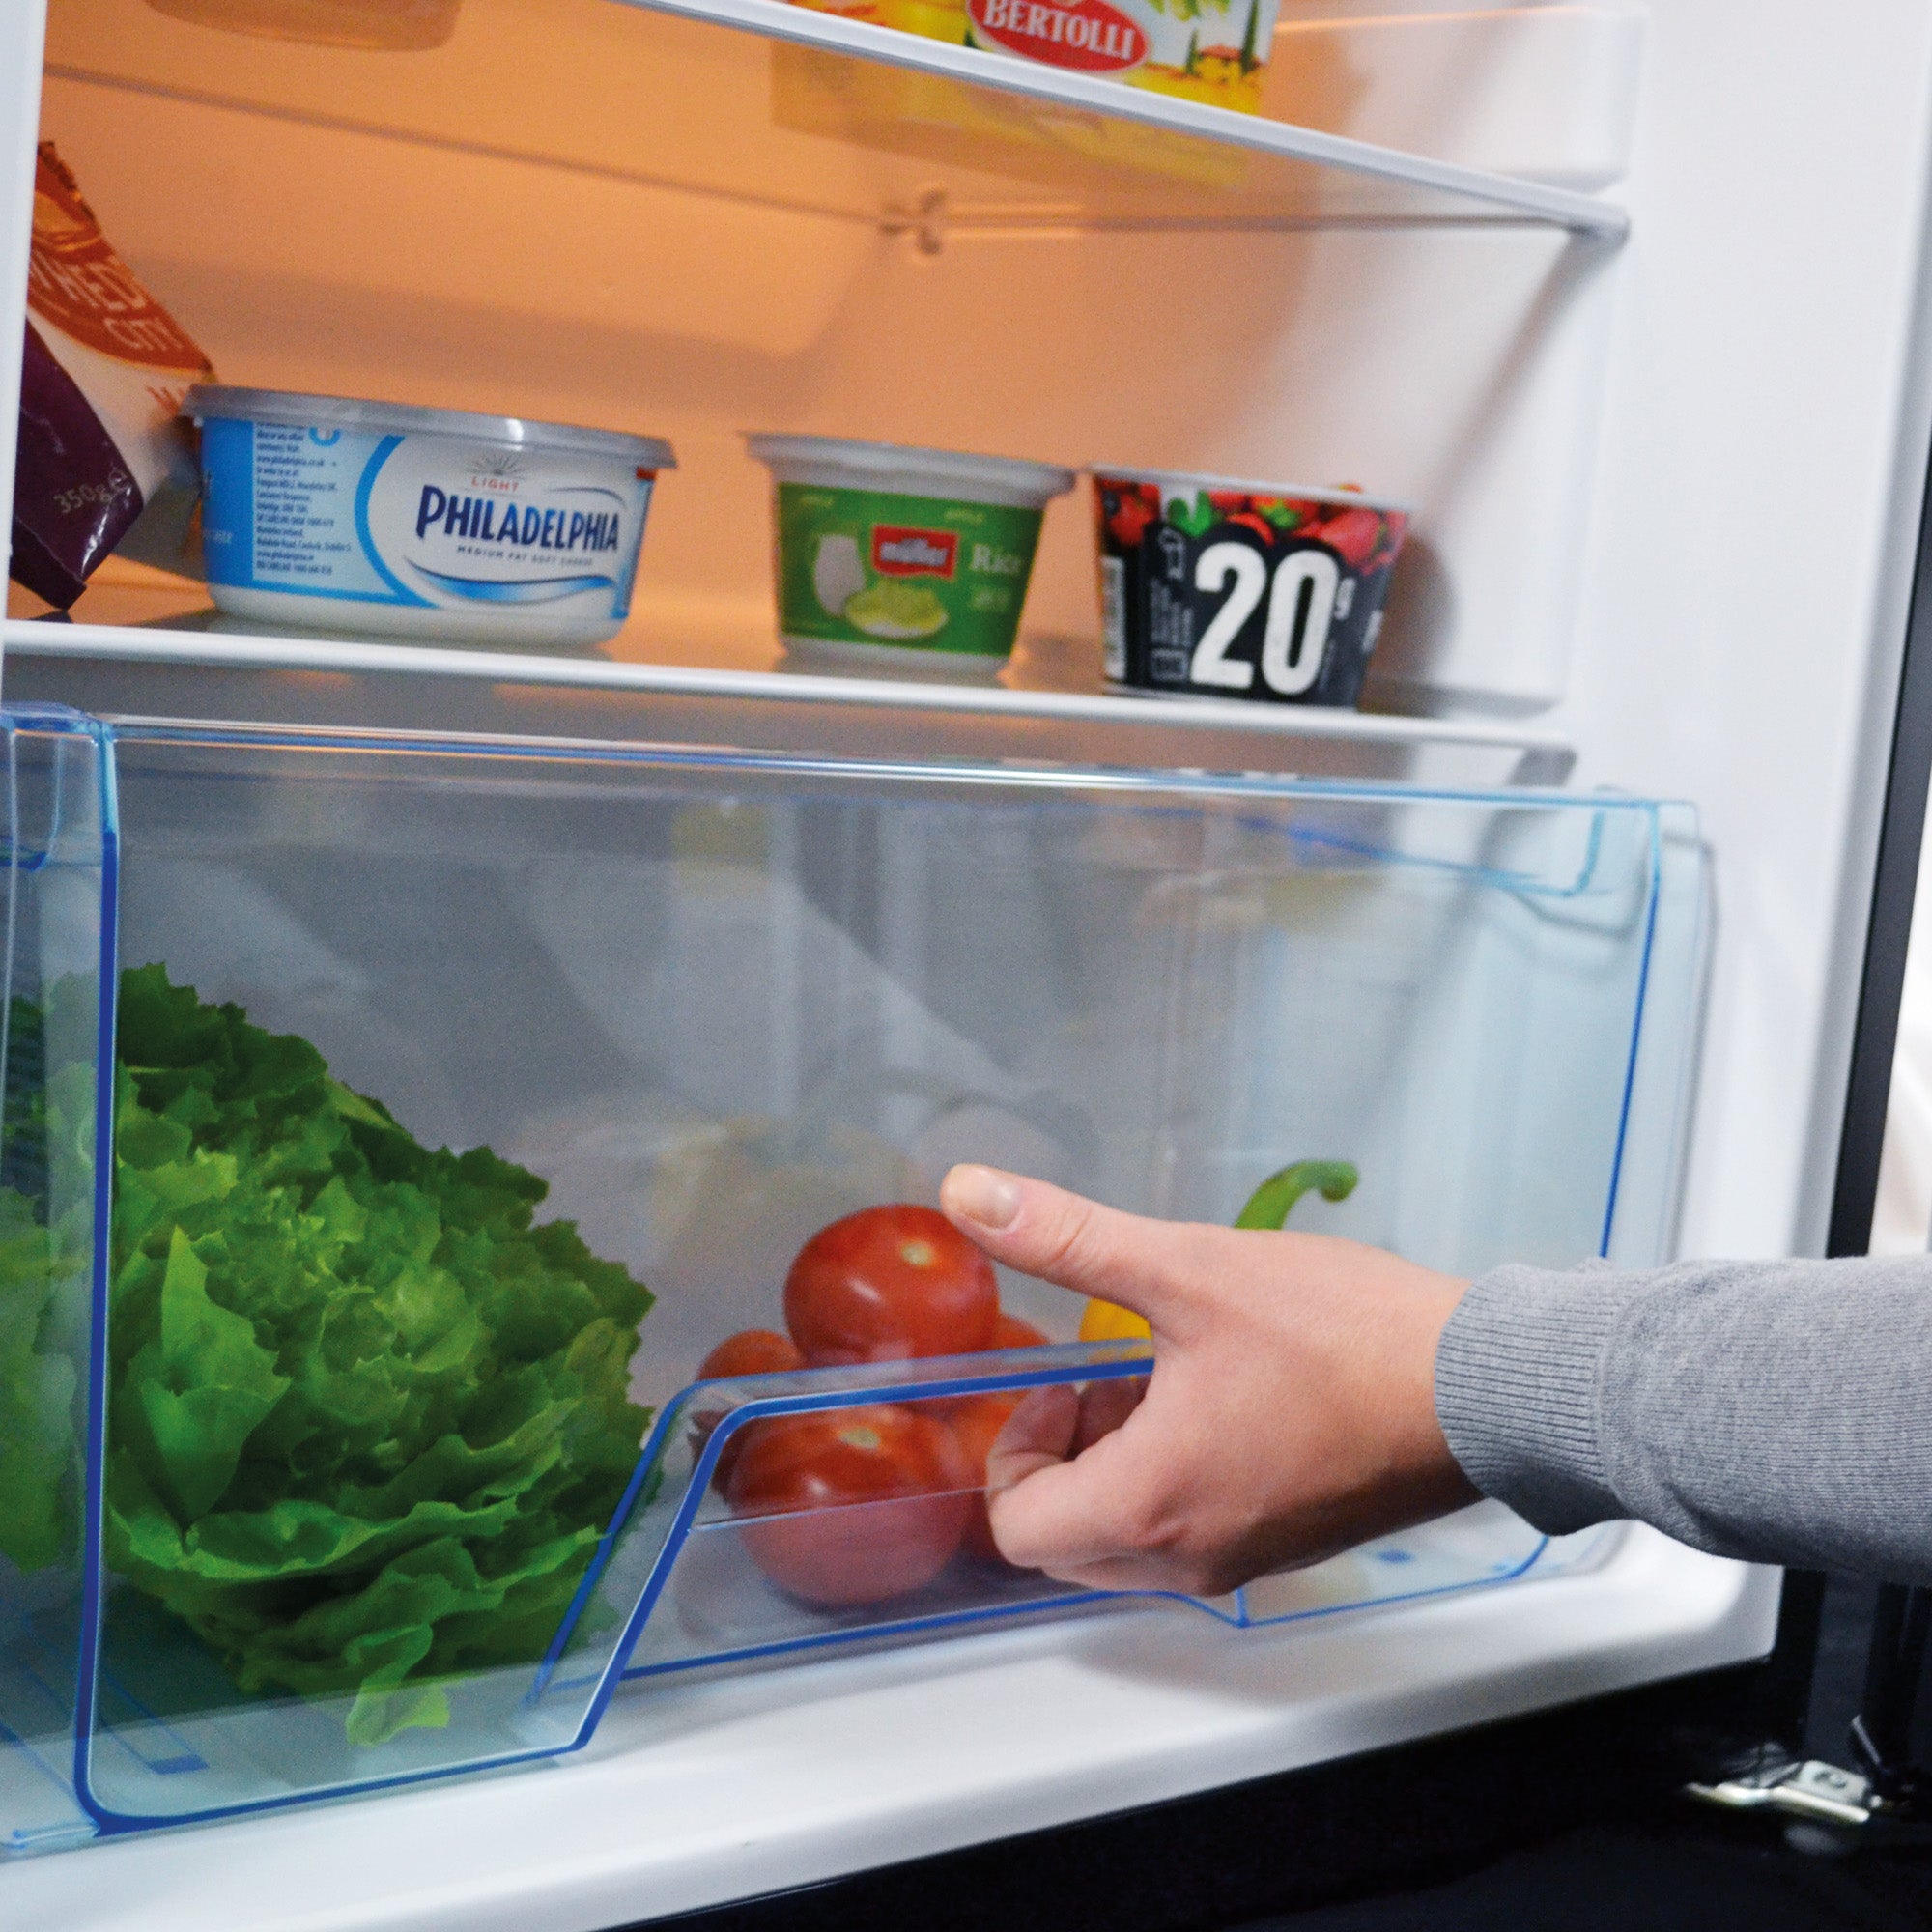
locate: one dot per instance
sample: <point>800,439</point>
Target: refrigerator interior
<point>496,221</point>
<point>1611,571</point>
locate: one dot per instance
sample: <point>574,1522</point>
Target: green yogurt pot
<point>896,554</point>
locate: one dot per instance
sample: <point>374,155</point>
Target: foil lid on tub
<point>1212,586</point>
<point>440,525</point>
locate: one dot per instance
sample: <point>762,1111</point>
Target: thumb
<point>1044,1231</point>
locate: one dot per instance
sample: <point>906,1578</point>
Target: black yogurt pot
<point>1213,588</point>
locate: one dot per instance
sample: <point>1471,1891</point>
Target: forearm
<point>1778,1410</point>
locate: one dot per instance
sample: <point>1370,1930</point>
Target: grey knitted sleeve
<point>1779,1410</point>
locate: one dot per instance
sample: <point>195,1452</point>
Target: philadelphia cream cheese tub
<point>438,525</point>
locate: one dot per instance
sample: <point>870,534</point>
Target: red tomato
<point>858,1505</point>
<point>888,1284</point>
<point>752,1352</point>
<point>1011,1332</point>
<point>1250,520</point>
<point>975,1420</point>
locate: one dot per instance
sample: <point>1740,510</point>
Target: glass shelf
<point>1538,756</point>
<point>1126,155</point>
<point>769,105</point>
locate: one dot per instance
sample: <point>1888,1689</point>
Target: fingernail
<point>981,1194</point>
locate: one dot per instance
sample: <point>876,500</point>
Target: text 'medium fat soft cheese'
<point>884,549</point>
<point>1213,51</point>
<point>322,512</point>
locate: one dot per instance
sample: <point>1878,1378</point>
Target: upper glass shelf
<point>1113,147</point>
<point>1111,725</point>
<point>764,105</point>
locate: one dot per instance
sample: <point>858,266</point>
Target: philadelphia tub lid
<point>901,465</point>
<point>292,410</point>
<point>1301,493</point>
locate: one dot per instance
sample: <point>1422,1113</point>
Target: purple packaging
<point>102,375</point>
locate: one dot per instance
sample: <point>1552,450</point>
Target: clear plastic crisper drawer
<point>470,1093</point>
<point>55,1015</point>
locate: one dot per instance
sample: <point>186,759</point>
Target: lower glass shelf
<point>1543,757</point>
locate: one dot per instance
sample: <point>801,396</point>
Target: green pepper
<point>1269,1204</point>
<point>1268,1208</point>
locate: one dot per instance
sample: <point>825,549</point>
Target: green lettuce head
<point>366,1421</point>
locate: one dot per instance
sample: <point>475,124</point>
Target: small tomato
<point>977,1422</point>
<point>888,1284</point>
<point>853,1505</point>
<point>1011,1332</point>
<point>752,1351</point>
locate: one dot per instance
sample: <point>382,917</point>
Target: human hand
<point>1291,1412</point>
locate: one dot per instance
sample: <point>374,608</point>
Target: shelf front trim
<point>1504,196</point>
<point>208,649</point>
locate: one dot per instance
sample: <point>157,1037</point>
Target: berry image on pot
<point>1212,587</point>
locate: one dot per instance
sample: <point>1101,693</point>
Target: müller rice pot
<point>1213,588</point>
<point>326,513</point>
<point>914,557</point>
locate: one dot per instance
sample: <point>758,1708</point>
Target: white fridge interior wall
<point>1754,526</point>
<point>504,225</point>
